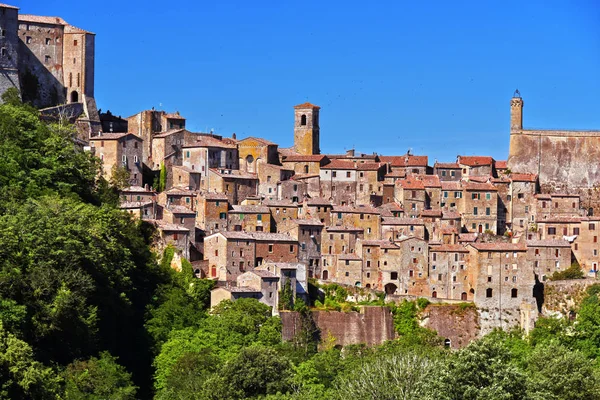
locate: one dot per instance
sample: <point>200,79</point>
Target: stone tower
<point>516,112</point>
<point>9,46</point>
<point>306,129</point>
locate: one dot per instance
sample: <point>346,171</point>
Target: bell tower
<point>516,112</point>
<point>306,129</point>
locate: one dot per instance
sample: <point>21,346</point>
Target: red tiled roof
<point>306,105</point>
<point>42,19</point>
<point>446,165</point>
<point>411,183</point>
<point>548,243</point>
<point>454,248</point>
<point>430,180</point>
<point>405,161</point>
<point>501,164</point>
<point>401,221</point>
<point>499,246</point>
<point>369,166</point>
<point>340,164</point>
<point>481,186</point>
<point>304,158</point>
<point>174,116</point>
<point>475,161</point>
<point>431,213</point>
<point>451,185</point>
<point>523,177</point>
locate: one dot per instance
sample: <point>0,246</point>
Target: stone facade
<point>306,129</point>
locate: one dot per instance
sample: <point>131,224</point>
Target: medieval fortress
<point>253,216</point>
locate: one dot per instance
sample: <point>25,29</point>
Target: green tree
<point>557,373</point>
<point>119,177</point>
<point>98,378</point>
<point>162,180</point>
<point>286,296</point>
<point>255,371</point>
<point>398,375</point>
<point>21,377</point>
<point>484,370</point>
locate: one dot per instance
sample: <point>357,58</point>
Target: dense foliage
<point>88,312</point>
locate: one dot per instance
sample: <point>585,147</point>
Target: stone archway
<point>390,288</point>
<point>74,97</point>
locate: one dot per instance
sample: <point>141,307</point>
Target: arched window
<point>325,275</point>
<point>514,293</point>
<point>303,120</point>
<point>488,292</point>
<point>74,97</point>
<point>463,296</point>
<point>434,294</point>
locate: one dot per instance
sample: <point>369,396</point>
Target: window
<point>514,293</point>
<point>48,41</point>
<point>222,215</point>
<point>3,51</point>
<point>488,292</point>
<point>270,248</point>
<point>488,196</point>
<point>47,59</point>
<point>291,248</point>
<point>434,256</point>
<point>347,263</point>
<point>443,173</point>
<point>487,211</point>
<point>216,253</point>
<point>28,39</point>
<point>592,227</point>
<point>551,230</point>
<point>575,231</point>
<point>75,42</point>
<point>394,276</point>
<point>259,217</point>
<point>445,194</point>
<point>303,120</point>
<point>474,210</point>
<point>348,174</point>
<point>334,174</point>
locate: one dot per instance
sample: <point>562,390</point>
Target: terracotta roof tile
<point>340,164</point>
<point>524,177</point>
<point>307,105</point>
<point>367,166</point>
<point>501,164</point>
<point>475,161</point>
<point>411,184</point>
<point>446,165</point>
<point>475,186</point>
<point>401,221</point>
<point>304,158</point>
<point>405,160</point>
<point>453,248</point>
<point>499,246</point>
<point>548,243</point>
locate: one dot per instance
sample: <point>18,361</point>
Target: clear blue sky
<point>434,76</point>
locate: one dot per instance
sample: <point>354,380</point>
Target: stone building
<point>476,166</point>
<point>119,150</point>
<point>370,183</point>
<point>180,215</point>
<point>229,254</point>
<point>480,207</point>
<point>308,234</point>
<point>407,164</point>
<point>305,164</point>
<point>447,171</point>
<point>209,152</point>
<point>548,256</point>
<point>347,270</point>
<point>264,282</point>
<point>212,212</point>
<point>318,208</point>
<point>249,218</point>
<point>275,247</point>
<point>448,271</point>
<point>306,129</point>
<point>503,283</point>
<point>185,177</point>
<point>236,185</point>
<point>280,210</point>
<point>337,241</point>
<point>10,47</point>
<point>256,151</point>
<point>410,192</point>
<point>395,228</point>
<point>269,178</point>
<point>365,217</point>
<point>413,271</point>
<point>561,158</point>
<point>339,182</point>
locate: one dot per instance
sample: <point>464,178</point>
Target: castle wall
<point>372,325</point>
<point>562,159</point>
<point>9,43</point>
<point>40,67</point>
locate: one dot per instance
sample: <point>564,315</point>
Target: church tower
<point>516,112</point>
<point>306,129</point>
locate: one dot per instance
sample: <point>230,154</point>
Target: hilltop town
<point>254,217</point>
